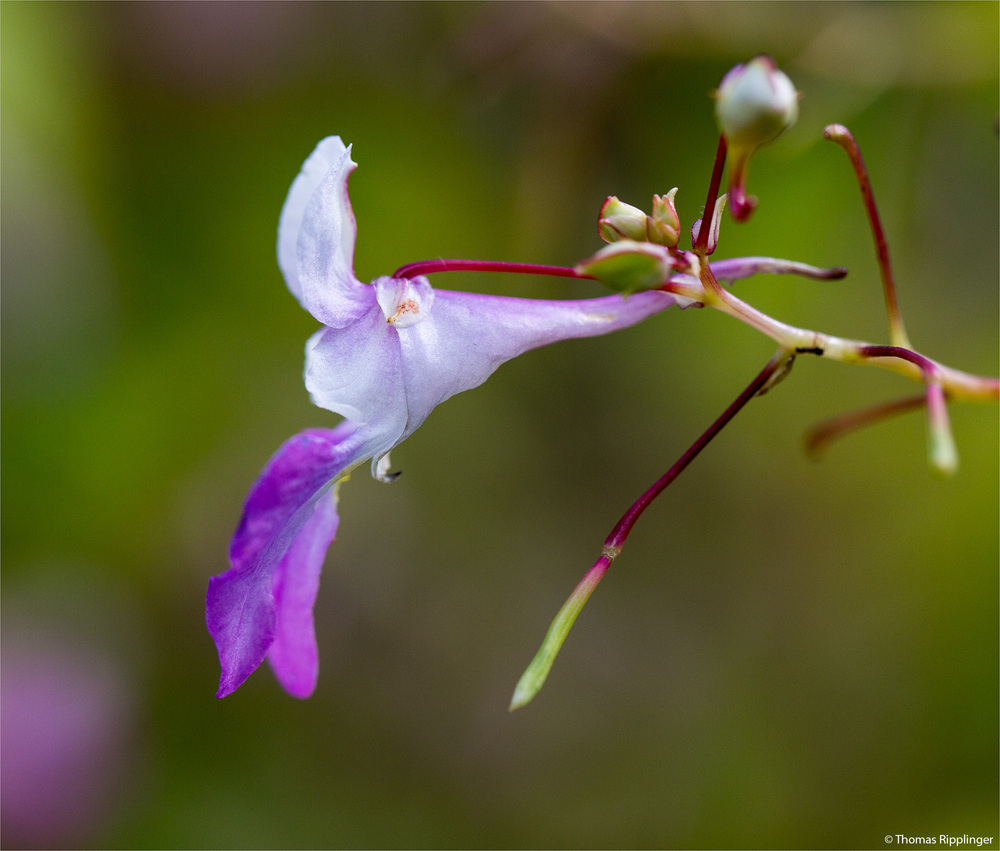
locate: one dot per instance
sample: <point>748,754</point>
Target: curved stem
<point>899,359</point>
<point>842,136</point>
<point>928,367</point>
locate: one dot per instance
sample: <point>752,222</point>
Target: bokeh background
<point>788,654</point>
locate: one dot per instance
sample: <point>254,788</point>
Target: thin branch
<point>701,243</point>
<point>842,136</point>
<point>534,676</point>
<point>821,435</point>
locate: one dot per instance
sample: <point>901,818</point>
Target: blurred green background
<point>788,654</point>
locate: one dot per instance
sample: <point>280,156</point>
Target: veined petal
<point>279,524</point>
<point>466,336</point>
<point>316,236</point>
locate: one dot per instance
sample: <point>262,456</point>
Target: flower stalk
<point>534,676</point>
<point>428,267</point>
<point>843,137</point>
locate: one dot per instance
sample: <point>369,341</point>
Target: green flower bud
<point>664,226</point>
<point>628,266</point>
<point>618,220</point>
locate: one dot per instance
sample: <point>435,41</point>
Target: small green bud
<point>629,266</point>
<point>618,220</point>
<point>664,226</point>
<point>755,103</point>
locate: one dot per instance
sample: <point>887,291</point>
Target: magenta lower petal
<point>293,655</point>
<point>288,522</point>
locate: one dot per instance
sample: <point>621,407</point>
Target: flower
<point>388,353</point>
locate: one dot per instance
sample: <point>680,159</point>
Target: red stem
<point>701,243</point>
<point>843,137</point>
<point>822,434</point>
<point>428,267</point>
<point>614,541</point>
<point>924,364</point>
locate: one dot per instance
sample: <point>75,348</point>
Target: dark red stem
<point>616,539</point>
<point>822,434</point>
<point>925,365</point>
<point>428,267</point>
<point>701,243</point>
<point>845,139</point>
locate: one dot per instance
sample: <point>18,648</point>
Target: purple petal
<point>293,655</point>
<point>241,608</point>
<point>466,336</point>
<point>316,235</point>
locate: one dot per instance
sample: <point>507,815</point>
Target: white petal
<point>326,155</point>
<point>355,371</point>
<point>316,235</point>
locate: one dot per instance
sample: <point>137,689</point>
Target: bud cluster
<point>618,220</point>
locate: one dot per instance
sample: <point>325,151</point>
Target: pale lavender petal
<point>316,235</point>
<point>240,608</point>
<point>293,655</point>
<point>356,372</point>
<point>466,336</point>
<point>326,156</point>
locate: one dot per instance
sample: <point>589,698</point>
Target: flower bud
<point>664,226</point>
<point>755,103</point>
<point>618,220</point>
<point>629,266</point>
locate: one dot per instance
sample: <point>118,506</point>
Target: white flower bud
<point>755,103</point>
